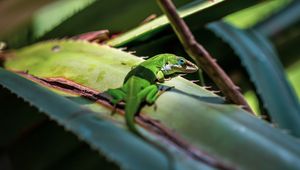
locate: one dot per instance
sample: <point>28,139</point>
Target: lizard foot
<point>165,89</point>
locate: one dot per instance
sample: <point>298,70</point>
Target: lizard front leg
<point>117,95</point>
<point>160,77</point>
<point>149,94</point>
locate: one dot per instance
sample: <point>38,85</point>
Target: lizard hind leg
<point>152,96</point>
<point>117,96</point>
<point>149,94</point>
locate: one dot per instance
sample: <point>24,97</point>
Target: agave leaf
<point>283,19</point>
<point>105,14</point>
<point>120,146</point>
<point>37,21</point>
<point>222,130</point>
<point>294,76</point>
<point>86,125</point>
<point>61,18</point>
<point>266,72</point>
<point>93,15</point>
<point>49,17</point>
<point>196,13</point>
<point>251,16</point>
<point>8,119</point>
<point>11,11</point>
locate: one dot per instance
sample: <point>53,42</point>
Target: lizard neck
<point>143,72</point>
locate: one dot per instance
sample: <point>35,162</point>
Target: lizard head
<point>176,65</point>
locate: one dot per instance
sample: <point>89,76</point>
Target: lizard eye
<point>181,61</point>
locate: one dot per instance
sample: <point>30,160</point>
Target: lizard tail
<point>131,108</point>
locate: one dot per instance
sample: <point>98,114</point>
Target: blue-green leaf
<point>266,72</point>
<point>218,129</point>
<point>281,20</point>
<point>119,145</point>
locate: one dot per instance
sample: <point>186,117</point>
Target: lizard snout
<point>190,67</point>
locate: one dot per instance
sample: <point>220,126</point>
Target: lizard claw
<point>169,88</point>
<point>165,89</point>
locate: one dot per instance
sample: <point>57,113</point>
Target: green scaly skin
<point>141,84</point>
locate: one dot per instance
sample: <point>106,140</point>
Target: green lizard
<point>141,84</point>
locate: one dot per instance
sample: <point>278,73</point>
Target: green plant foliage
<point>222,130</point>
<point>252,101</point>
<point>92,53</point>
<point>94,15</point>
<point>251,16</point>
<point>62,17</point>
<point>197,13</point>
<point>294,76</point>
<point>107,14</point>
<point>198,117</point>
<point>281,20</point>
<point>117,144</point>
<point>29,140</point>
<point>54,14</point>
<point>265,71</point>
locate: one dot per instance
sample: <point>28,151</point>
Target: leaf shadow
<point>207,99</point>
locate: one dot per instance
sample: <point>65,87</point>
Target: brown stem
<point>202,57</point>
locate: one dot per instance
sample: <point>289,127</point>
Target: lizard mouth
<point>187,67</point>
<point>190,67</point>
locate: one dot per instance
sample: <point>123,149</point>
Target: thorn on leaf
<point>56,48</point>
